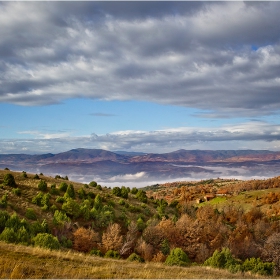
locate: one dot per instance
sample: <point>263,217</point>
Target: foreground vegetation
<point>21,262</point>
<point>238,230</point>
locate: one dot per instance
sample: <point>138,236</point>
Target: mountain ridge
<point>106,165</point>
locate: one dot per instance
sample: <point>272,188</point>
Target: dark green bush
<point>9,180</point>
<point>70,192</point>
<point>177,257</point>
<point>91,195</point>
<point>141,195</point>
<point>22,236</point>
<point>65,242</point>
<point>63,187</point>
<point>54,190</point>
<point>24,175</point>
<point>164,247</point>
<point>60,199</point>
<point>96,252</point>
<point>46,240</point>
<point>112,254</point>
<point>42,186</point>
<point>81,193</point>
<point>134,190</point>
<point>256,265</point>
<point>93,184</point>
<point>36,176</point>
<point>14,222</point>
<point>135,258</point>
<point>4,217</point>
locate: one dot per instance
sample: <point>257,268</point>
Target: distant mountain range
<point>107,166</point>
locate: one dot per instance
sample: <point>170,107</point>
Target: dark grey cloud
<point>214,56</point>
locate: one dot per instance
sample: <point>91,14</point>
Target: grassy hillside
<point>19,262</point>
<point>213,223</point>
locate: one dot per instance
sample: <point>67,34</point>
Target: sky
<point>139,76</point>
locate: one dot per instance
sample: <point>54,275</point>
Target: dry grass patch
<point>22,262</point>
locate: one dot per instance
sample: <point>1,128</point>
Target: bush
<point>257,266</point>
<point>164,247</point>
<point>8,235</point>
<point>37,227</point>
<point>177,257</point>
<point>24,175</point>
<point>222,259</point>
<point>63,187</point>
<point>59,218</point>
<point>46,240</point>
<point>134,190</point>
<point>65,242</point>
<point>96,252</point>
<point>17,191</point>
<point>22,236</point>
<point>30,214</point>
<point>91,195</point>
<point>42,186</point>
<point>54,190</point>
<point>135,258</point>
<point>116,191</point>
<point>81,193</point>
<point>4,201</point>
<point>93,184</point>
<point>112,254</point>
<point>141,195</point>
<point>36,177</point>
<point>14,222</point>
<point>70,192</point>
<point>4,217</point>
<point>121,202</point>
<point>71,207</point>
<point>38,198</point>
<point>9,180</point>
<point>60,199</point>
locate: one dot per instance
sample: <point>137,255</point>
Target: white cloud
<point>250,135</point>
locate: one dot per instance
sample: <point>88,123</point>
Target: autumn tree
<point>129,240</point>
<point>85,239</point>
<point>112,238</point>
<point>272,251</point>
<point>145,250</point>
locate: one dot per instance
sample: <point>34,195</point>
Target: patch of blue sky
<point>82,117</point>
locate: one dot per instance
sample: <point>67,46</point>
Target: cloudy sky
<point>139,76</point>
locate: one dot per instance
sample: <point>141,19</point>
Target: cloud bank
<point>261,135</point>
<point>221,57</point>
